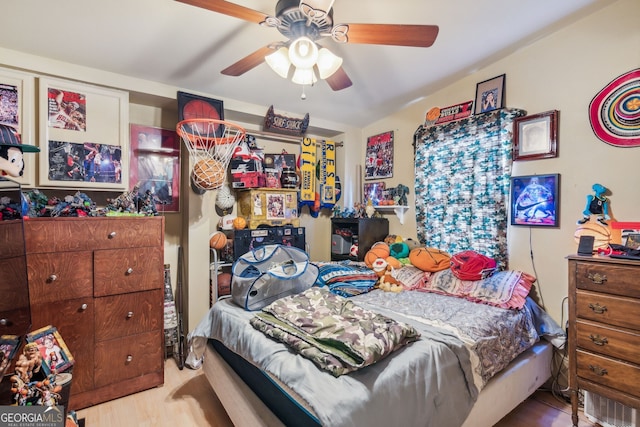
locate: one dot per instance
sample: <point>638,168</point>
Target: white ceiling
<point>184,46</point>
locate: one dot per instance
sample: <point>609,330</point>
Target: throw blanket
<point>333,332</point>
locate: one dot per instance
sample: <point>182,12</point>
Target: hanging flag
<point>308,172</point>
<point>328,175</point>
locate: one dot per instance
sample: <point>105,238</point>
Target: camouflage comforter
<point>333,332</point>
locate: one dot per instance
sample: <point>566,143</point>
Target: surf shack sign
<point>281,124</point>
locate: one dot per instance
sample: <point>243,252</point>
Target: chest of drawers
<point>604,329</point>
<point>99,281</point>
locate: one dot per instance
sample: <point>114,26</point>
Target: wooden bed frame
<point>502,394</point>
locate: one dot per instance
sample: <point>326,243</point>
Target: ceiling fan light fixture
<point>304,76</point>
<point>279,62</point>
<point>303,52</point>
<point>328,63</point>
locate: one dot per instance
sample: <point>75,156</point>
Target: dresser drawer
<point>133,356</point>
<point>599,338</point>
<point>119,271</point>
<point>128,314</point>
<point>609,309</point>
<point>612,373</point>
<point>13,282</point>
<point>608,278</point>
<point>81,234</point>
<point>59,276</point>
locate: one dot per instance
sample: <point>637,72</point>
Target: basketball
<point>239,223</point>
<point>218,240</point>
<point>601,234</point>
<point>381,249</point>
<point>208,174</point>
<point>369,258</point>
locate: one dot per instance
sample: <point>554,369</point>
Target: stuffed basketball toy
<point>430,259</point>
<point>471,265</point>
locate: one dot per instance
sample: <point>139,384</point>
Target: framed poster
<point>55,354</point>
<point>379,156</point>
<point>84,138</point>
<point>374,191</point>
<point>490,95</point>
<point>17,110</point>
<point>536,136</point>
<point>535,200</point>
<point>154,165</point>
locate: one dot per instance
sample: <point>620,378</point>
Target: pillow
<point>430,259</point>
<point>410,277</point>
<point>471,265</point>
<point>504,289</point>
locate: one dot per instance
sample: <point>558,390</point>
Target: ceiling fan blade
<point>339,80</point>
<point>228,8</point>
<point>248,62</point>
<point>393,34</point>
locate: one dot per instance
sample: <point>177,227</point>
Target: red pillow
<point>471,265</point>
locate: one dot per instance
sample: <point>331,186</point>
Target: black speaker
<point>585,246</point>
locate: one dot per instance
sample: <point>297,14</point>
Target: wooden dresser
<point>99,281</point>
<point>604,329</point>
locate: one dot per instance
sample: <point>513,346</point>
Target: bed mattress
<point>424,384</point>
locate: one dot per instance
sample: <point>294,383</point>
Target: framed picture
<point>192,106</point>
<point>535,200</point>
<point>490,95</point>
<point>8,346</point>
<point>374,191</point>
<point>379,156</point>
<point>53,350</point>
<point>154,165</point>
<point>536,136</point>
<point>17,110</point>
<point>84,136</point>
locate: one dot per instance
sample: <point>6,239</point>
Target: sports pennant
<point>308,172</point>
<point>328,175</point>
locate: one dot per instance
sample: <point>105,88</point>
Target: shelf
<point>397,209</point>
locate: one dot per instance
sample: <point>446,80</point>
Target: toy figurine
<point>597,204</point>
<point>11,149</point>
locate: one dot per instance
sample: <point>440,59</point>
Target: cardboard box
<point>269,206</point>
<point>247,180</point>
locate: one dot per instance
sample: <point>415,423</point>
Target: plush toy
<point>386,281</point>
<point>11,149</point>
<point>597,204</point>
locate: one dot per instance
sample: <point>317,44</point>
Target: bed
<point>460,372</point>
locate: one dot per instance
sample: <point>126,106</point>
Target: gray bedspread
<point>431,382</point>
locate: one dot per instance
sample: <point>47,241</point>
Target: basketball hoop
<point>211,144</point>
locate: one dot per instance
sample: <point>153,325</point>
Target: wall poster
<point>379,156</point>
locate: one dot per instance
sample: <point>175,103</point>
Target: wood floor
<point>186,399</point>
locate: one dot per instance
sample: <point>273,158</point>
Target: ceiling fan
<point>303,22</point>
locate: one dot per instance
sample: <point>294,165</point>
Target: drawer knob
<point>83,307</point>
<point>597,340</point>
<point>129,358</point>
<point>601,372</point>
<point>130,315</point>
<point>597,278</point>
<point>112,235</point>
<point>597,308</point>
<point>5,322</point>
<point>129,270</point>
<point>52,278</point>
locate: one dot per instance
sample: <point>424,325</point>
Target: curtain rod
<point>280,138</point>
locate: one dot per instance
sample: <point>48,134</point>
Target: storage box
<point>269,206</point>
<point>340,244</point>
<point>247,240</point>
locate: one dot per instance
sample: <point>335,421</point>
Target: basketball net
<point>211,144</point>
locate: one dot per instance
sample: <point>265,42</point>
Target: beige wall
<point>562,71</point>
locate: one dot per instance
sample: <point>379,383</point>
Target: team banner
<point>308,172</point>
<point>328,175</point>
